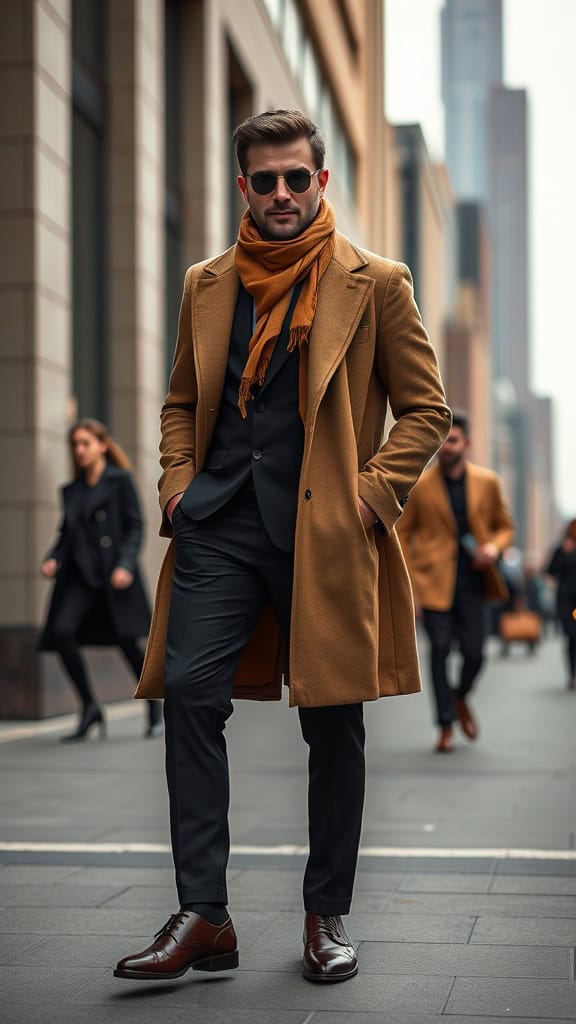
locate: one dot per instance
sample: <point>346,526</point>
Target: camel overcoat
<point>429,534</point>
<point>352,630</point>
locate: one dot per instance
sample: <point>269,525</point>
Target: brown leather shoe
<point>467,721</point>
<point>445,743</point>
<point>328,953</point>
<point>186,940</point>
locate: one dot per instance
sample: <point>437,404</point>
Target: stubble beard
<point>270,236</point>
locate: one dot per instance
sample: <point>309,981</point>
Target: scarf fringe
<point>298,336</point>
<point>247,383</point>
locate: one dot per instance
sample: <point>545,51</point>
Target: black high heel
<point>91,715</point>
<point>155,725</point>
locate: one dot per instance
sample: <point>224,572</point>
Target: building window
<point>240,106</point>
<point>303,61</point>
<point>173,194</point>
<point>89,298</point>
<point>276,11</point>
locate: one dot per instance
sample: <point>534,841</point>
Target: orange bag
<point>521,625</point>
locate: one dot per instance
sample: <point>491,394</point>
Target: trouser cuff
<point>327,908</point>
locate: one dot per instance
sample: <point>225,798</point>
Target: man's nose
<point>281,193</point>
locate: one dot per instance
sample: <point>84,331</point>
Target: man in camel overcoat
<point>280,493</point>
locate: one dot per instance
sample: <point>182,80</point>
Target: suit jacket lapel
<point>342,297</point>
<point>441,498</point>
<point>473,497</point>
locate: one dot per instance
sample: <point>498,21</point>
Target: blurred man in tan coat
<point>453,531</point>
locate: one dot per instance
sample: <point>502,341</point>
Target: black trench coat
<point>114,511</point>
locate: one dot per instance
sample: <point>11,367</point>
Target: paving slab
<point>79,922</point>
<point>37,874</point>
<point>267,991</point>
<point>491,905</point>
<point>512,998</point>
<point>432,882</point>
<point>44,985</point>
<point>466,960</point>
<point>398,1017</point>
<point>56,895</point>
<point>13,947</point>
<point>410,927</point>
<point>534,885</point>
<point>104,1014</point>
<point>524,931</point>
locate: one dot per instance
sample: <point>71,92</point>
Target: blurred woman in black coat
<point>98,596</point>
<point>563,567</point>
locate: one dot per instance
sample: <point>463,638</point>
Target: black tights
<point>75,664</point>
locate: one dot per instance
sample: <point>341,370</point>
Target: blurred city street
<point>465,904</point>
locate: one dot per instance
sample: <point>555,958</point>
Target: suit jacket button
<point>257,455</point>
<point>105,542</point>
<point>308,495</point>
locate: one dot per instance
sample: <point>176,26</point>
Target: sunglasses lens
<point>263,182</point>
<point>298,181</point>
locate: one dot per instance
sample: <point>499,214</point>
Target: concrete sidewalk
<point>465,907</point>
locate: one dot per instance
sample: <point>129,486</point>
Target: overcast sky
<point>539,38</point>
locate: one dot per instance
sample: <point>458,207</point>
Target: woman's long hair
<point>115,454</point>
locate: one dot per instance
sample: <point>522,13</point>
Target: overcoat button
<point>100,515</point>
<point>105,542</point>
<point>308,495</point>
<point>257,455</point>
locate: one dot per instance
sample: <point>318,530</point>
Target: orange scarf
<point>269,270</point>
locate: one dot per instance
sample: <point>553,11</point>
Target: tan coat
<point>352,636</point>
<point>429,535</point>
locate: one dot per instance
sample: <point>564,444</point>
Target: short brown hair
<point>277,126</point>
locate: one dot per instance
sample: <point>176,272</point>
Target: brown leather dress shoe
<point>468,723</point>
<point>186,940</point>
<point>328,953</point>
<point>445,743</point>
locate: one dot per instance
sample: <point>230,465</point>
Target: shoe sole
<point>328,979</point>
<point>225,962</point>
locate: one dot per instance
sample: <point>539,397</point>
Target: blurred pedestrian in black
<point>563,567</point>
<point>98,596</point>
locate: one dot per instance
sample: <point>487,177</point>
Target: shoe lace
<point>332,926</point>
<point>173,920</point>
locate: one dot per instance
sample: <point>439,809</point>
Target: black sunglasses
<point>264,182</point>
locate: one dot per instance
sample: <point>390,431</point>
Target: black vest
<point>263,451</point>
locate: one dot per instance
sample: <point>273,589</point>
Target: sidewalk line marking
<point>499,853</point>
<point>115,712</point>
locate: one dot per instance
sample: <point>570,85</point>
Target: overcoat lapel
<point>342,298</point>
<point>213,304</point>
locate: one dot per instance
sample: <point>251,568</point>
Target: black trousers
<point>77,602</point>
<point>464,623</point>
<point>226,571</point>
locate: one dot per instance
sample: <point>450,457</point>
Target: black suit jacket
<point>265,448</point>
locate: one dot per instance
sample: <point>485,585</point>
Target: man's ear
<point>323,176</point>
<point>243,186</point>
